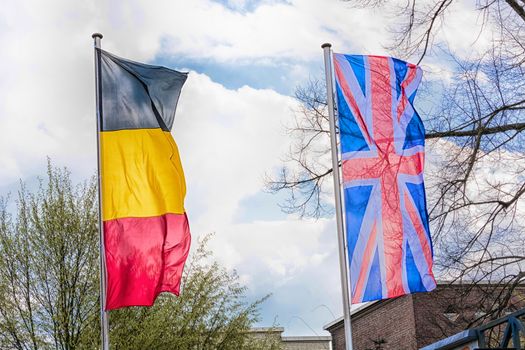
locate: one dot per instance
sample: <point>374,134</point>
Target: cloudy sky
<point>245,58</point>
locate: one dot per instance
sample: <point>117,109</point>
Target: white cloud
<point>228,139</point>
<point>466,31</point>
<point>206,29</point>
<point>296,260</point>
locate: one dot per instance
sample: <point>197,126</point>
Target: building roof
<point>266,330</point>
<point>299,339</point>
<point>354,312</point>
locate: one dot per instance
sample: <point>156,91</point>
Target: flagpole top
<point>322,46</point>
<point>97,35</point>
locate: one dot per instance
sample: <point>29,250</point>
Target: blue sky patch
<point>260,206</point>
<point>282,76</point>
<point>245,6</point>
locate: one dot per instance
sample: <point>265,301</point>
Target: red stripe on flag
<point>362,279</point>
<point>420,231</point>
<point>144,257</point>
<point>383,132</point>
<point>411,75</point>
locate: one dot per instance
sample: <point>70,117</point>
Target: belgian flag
<point>146,232</point>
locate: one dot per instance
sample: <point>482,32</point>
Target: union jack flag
<point>382,145</point>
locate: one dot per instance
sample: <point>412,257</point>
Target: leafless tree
<point>475,143</point>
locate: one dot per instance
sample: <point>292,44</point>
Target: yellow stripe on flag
<point>141,174</point>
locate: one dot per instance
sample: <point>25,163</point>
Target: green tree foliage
<point>49,284</point>
<point>49,265</point>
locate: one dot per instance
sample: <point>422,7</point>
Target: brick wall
<point>453,308</point>
<point>388,323</point>
<point>413,321</point>
<point>437,314</point>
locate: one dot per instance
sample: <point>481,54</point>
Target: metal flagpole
<point>104,324</point>
<point>337,189</point>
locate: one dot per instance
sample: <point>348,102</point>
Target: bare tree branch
<point>475,139</point>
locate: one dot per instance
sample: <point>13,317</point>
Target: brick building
<point>306,343</point>
<point>413,321</point>
<point>293,343</point>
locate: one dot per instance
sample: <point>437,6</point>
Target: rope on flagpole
<point>343,267</point>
